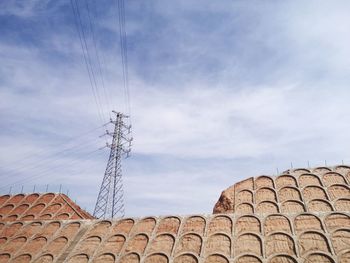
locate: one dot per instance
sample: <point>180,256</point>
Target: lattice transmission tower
<point>110,200</point>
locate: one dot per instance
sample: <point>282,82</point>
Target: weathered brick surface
<point>302,216</point>
<point>39,206</point>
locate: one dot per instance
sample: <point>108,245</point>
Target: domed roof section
<point>321,189</point>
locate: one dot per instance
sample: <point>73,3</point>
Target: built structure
<point>302,215</point>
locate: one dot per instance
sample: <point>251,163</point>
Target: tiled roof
<point>322,189</point>
<point>301,216</point>
<point>222,238</point>
<point>48,206</point>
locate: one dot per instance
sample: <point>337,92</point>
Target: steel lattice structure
<point>110,200</point>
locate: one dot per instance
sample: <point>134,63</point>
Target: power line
<point>91,23</point>
<point>29,154</point>
<point>86,55</point>
<point>124,53</point>
<point>53,157</point>
<point>45,171</point>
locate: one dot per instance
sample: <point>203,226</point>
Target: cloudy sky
<point>219,91</point>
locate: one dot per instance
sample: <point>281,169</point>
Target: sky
<point>219,91</point>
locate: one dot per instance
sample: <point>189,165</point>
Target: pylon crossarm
<point>110,201</point>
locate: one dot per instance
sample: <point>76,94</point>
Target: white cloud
<point>263,88</point>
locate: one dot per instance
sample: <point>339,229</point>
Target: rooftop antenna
<point>110,200</point>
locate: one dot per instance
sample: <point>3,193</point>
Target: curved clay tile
<point>289,193</point>
<point>169,224</point>
<point>218,243</point>
<point>16,199</point>
<point>244,208</point>
<point>297,172</point>
<point>333,178</point>
<point>319,205</point>
<point>47,258</point>
<point>3,199</point>
<point>313,241</point>
<point>137,243</point>
<point>267,207</point>
<point>248,258</point>
<point>247,223</point>
<point>277,223</point>
<point>104,258</point>
<point>321,170</point>
<point>306,222</point>
<point>162,243</point>
<point>130,258</point>
<point>338,191</point>
<point>344,257</point>
<point>5,257</point>
<point>113,243</point>
<point>292,207</point>
<point>190,242</point>
<point>318,257</point>
<point>309,179</point>
<point>188,258</point>
<point>12,229</point>
<point>22,258</point>
<point>123,226</point>
<point>264,181</point>
<point>217,258</point>
<point>265,194</point>
<point>279,243</point>
<point>79,258</point>
<point>220,223</point>
<point>336,220</point>
<point>341,240</point>
<point>157,258</point>
<point>314,192</point>
<point>248,243</point>
<point>144,225</point>
<point>286,180</point>
<point>282,259</point>
<point>57,245</point>
<point>244,196</point>
<point>342,204</point>
<point>194,224</point>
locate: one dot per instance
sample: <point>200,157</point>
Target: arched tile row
<point>232,237</point>
<point>300,190</point>
<point>34,206</point>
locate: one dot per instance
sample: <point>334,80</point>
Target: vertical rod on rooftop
<point>22,190</point>
<point>47,188</point>
<point>34,189</point>
<point>325,162</point>
<point>308,164</point>
<point>10,189</point>
<point>291,165</point>
<point>60,188</point>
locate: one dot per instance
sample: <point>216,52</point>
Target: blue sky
<point>220,90</point>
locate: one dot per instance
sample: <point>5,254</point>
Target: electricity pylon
<point>110,200</point>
